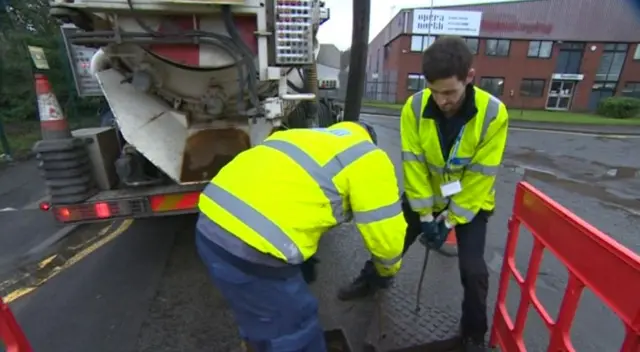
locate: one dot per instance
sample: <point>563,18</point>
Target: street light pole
<point>358,59</point>
<point>430,20</point>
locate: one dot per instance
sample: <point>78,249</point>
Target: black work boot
<point>470,344</point>
<point>365,284</point>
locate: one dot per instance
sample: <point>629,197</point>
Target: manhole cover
<point>397,327</point>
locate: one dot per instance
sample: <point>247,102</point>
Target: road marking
<point>106,238</point>
<point>51,240</point>
<point>31,206</point>
<point>93,247</point>
<point>46,261</point>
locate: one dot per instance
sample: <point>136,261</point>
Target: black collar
<point>467,110</point>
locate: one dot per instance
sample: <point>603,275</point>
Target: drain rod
<point>422,272</point>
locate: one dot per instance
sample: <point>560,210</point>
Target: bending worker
<point>453,139</point>
<point>264,213</point>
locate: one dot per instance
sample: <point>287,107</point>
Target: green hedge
<point>619,107</point>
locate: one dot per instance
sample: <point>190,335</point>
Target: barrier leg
<point>10,332</point>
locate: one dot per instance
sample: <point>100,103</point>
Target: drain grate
<point>397,327</point>
<point>337,341</point>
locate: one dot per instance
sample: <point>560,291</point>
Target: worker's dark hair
<point>370,130</point>
<point>448,56</point>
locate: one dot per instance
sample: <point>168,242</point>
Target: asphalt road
<point>145,290</point>
<point>23,226</point>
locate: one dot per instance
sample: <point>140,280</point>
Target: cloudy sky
<point>338,29</point>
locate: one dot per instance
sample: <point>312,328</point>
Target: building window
<point>616,47</point>
<point>569,57</point>
<point>611,62</point>
<point>631,89</point>
<point>572,46</point>
<point>420,43</point>
<point>498,47</point>
<point>540,49</point>
<point>636,54</point>
<point>493,85</point>
<point>415,82</point>
<point>532,87</point>
<point>472,43</point>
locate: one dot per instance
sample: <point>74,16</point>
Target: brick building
<point>540,54</point>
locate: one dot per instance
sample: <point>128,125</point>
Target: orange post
<point>450,247</point>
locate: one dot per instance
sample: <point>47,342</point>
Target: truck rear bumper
<point>131,203</point>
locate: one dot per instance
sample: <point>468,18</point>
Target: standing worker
<point>453,139</point>
<point>262,216</point>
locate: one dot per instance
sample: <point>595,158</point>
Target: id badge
<point>451,188</point>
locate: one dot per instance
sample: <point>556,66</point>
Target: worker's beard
<point>451,109</point>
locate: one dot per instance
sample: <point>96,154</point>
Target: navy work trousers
<point>273,314</point>
<point>474,275</point>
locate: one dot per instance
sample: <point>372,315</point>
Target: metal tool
<point>422,272</point>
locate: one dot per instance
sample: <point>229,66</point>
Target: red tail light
<point>102,210</point>
<point>87,211</point>
<point>64,213</point>
<point>45,206</point>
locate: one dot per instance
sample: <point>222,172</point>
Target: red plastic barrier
<point>593,260</point>
<point>10,333</point>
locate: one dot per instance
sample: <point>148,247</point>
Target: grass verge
<point>543,116</point>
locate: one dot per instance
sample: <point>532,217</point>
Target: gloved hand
<point>437,238</point>
<point>429,225</point>
<point>308,268</point>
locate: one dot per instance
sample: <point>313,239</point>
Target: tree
<point>27,23</point>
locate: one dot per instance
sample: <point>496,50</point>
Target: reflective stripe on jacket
<point>475,164</point>
<point>282,195</point>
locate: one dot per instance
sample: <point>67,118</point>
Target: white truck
<point>190,85</point>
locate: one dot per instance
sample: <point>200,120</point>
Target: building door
<point>600,91</point>
<point>560,94</point>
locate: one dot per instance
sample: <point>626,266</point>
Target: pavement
<point>139,285</point>
<point>534,125</point>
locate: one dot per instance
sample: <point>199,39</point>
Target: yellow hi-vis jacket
<point>282,195</point>
<point>475,163</point>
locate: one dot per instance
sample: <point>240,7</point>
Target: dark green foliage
<point>27,23</point>
<point>619,107</point>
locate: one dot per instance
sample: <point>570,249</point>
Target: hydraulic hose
<point>230,26</point>
<point>230,45</point>
<point>311,86</point>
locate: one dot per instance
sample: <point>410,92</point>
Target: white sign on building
<point>447,22</point>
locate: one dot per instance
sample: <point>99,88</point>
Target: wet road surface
<point>23,227</point>
<point>147,291</point>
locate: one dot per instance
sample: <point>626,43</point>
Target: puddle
<point>609,196</point>
<point>572,167</point>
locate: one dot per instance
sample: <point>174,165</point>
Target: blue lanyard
<point>454,150</point>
